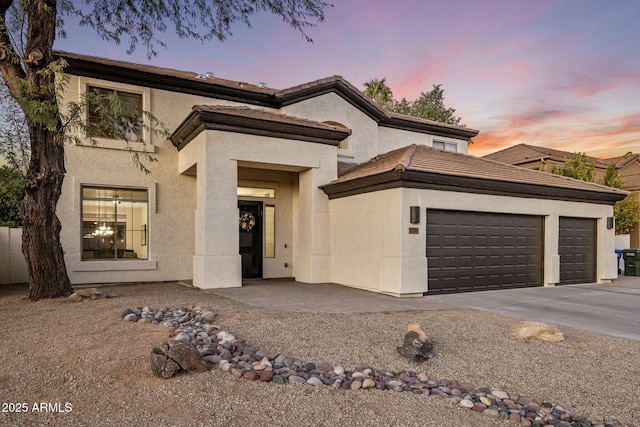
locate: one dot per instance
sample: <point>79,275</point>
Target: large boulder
<point>416,345</point>
<point>171,357</point>
<point>537,331</point>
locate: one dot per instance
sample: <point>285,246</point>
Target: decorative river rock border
<point>222,349</point>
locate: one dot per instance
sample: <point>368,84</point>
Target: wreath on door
<point>247,221</point>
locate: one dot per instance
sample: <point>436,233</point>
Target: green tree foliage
<point>11,189</point>
<point>35,79</point>
<point>578,167</point>
<point>429,105</point>
<point>611,177</point>
<point>627,214</point>
<point>378,90</point>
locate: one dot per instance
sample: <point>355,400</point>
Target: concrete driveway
<point>606,309</point>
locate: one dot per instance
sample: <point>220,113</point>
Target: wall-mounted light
<point>414,214</point>
<point>610,222</point>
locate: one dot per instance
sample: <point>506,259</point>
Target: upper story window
<point>114,223</point>
<point>344,144</point>
<point>446,146</point>
<point>118,115</point>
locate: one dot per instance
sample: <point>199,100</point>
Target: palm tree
<point>378,90</point>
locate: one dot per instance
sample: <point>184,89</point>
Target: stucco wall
<point>224,159</point>
<point>380,224</point>
<point>333,108</point>
<point>172,196</point>
<point>13,268</point>
<point>368,139</point>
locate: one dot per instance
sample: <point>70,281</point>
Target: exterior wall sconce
<point>610,222</point>
<point>414,214</point>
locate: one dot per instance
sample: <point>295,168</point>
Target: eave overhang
<point>373,111</point>
<point>137,77</point>
<point>269,125</point>
<point>461,184</point>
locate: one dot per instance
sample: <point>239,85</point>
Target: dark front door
<point>250,231</point>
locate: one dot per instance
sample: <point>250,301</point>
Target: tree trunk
<point>41,226</point>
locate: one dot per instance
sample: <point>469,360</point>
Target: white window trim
<point>116,144</point>
<point>445,144</point>
<point>129,265</point>
<point>116,265</point>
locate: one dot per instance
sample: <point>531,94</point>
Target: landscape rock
<point>416,346</point>
<point>202,343</point>
<point>537,331</point>
<point>171,357</point>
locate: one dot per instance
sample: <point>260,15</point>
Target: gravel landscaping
<point>82,364</point>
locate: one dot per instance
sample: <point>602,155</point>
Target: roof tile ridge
<point>505,149</point>
<point>407,156</point>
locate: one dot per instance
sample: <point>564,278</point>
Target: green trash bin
<point>631,262</point>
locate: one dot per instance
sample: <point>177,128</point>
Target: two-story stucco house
<point>318,183</point>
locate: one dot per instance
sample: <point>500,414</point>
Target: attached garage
<point>420,221</point>
<point>478,251</point>
<point>577,250</point>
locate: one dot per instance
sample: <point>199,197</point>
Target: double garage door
<point>477,251</point>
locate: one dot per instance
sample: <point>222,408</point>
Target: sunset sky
<point>560,74</point>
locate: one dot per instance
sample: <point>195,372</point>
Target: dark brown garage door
<point>477,251</point>
<point>577,250</point>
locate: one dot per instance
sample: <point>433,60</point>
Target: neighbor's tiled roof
<point>523,153</point>
<point>622,161</point>
<point>420,158</point>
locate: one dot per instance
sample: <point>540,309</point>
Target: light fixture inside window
<point>103,230</point>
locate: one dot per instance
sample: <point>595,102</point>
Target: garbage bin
<point>619,253</point>
<point>631,262</point>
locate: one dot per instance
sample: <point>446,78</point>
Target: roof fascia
<point>199,121</point>
<point>461,184</point>
<point>115,73</point>
<point>373,111</point>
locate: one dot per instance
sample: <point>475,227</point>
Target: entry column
<point>217,261</point>
<point>312,256</point>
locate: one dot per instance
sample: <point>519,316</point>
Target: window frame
<point>446,146</point>
<point>150,140</point>
<point>115,225</point>
<point>94,131</point>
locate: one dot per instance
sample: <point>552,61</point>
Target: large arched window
<point>344,144</point>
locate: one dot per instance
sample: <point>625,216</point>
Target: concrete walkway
<point>606,309</point>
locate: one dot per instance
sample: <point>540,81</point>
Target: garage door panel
<point>577,250</point>
<point>491,251</point>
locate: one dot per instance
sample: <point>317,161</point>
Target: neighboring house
<point>545,159</point>
<point>318,183</point>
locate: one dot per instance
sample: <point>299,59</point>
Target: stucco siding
<point>383,255</point>
<point>363,142</point>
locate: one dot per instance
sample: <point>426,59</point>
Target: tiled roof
<point>345,167</point>
<point>622,161</point>
<point>420,158</point>
<point>256,113</point>
<point>169,72</point>
<point>213,87</point>
<point>522,153</point>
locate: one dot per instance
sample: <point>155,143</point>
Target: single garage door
<point>478,251</point>
<point>577,250</point>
